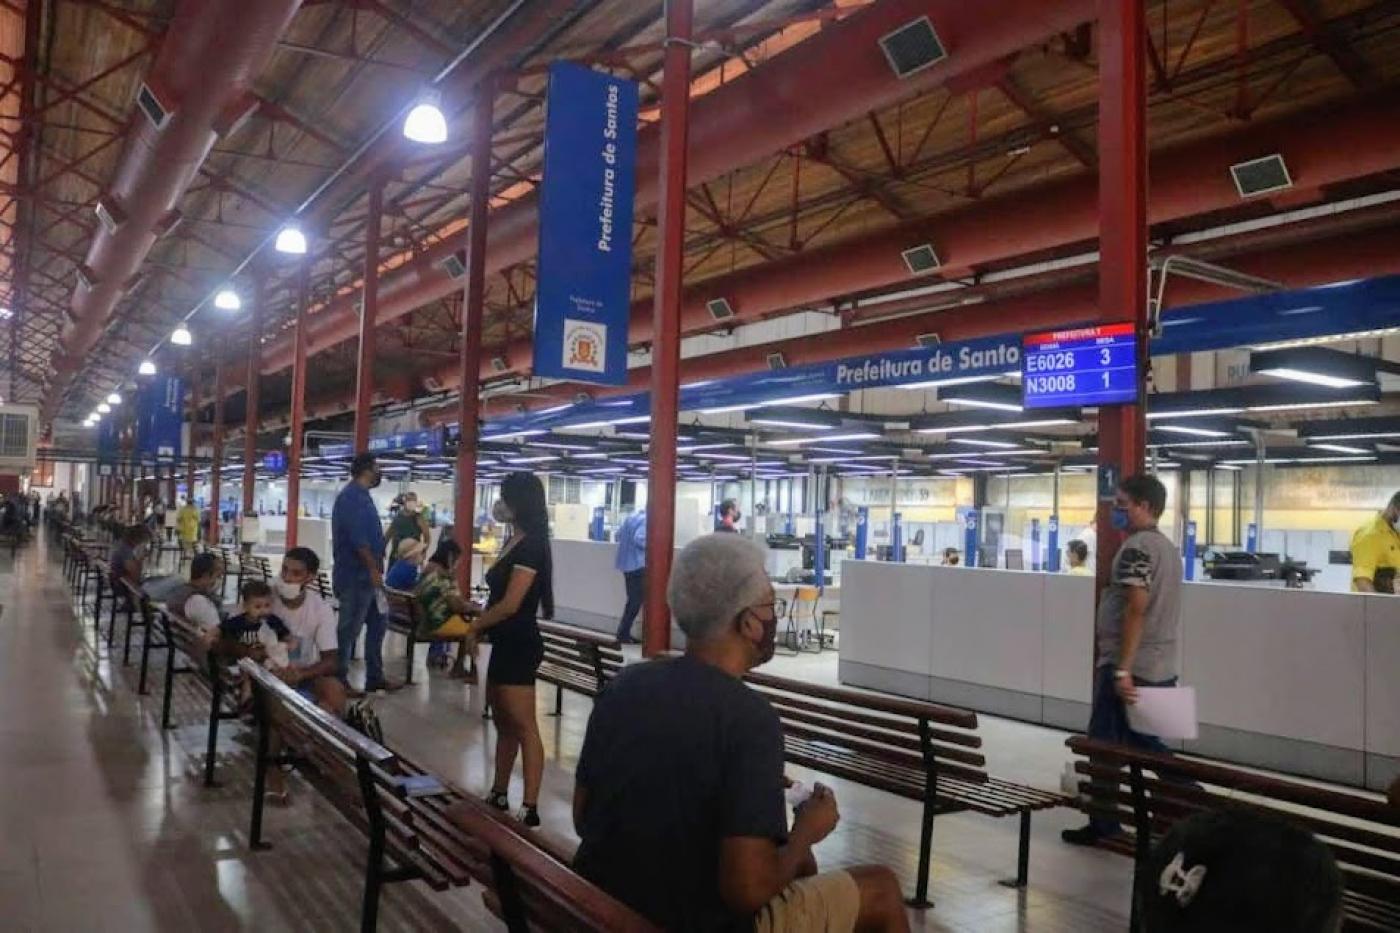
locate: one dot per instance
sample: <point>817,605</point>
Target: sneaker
<point>498,800</point>
<point>1084,836</point>
<point>626,640</point>
<point>530,816</point>
<point>383,686</point>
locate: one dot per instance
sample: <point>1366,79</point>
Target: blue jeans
<point>1109,723</point>
<point>358,610</point>
<point>636,582</point>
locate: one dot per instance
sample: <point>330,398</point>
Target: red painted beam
<point>206,65</point>
<point>369,318</point>
<point>825,81</point>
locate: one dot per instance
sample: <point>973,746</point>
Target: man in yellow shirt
<point>187,526</point>
<point>1375,551</point>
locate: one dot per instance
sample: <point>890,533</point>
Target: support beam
<point>665,369</point>
<point>1122,235</point>
<point>251,400</point>
<point>298,406</point>
<point>193,432</point>
<point>364,372</point>
<point>473,313</point>
<point>216,460</point>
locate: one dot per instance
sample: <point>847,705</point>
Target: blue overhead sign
<point>159,415</point>
<point>1082,366</point>
<point>583,297</point>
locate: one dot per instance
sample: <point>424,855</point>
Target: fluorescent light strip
<point>501,437</point>
<point>1340,448</point>
<point>797,425</point>
<point>694,447</point>
<point>731,408</point>
<point>851,459</point>
<point>1192,413</point>
<point>1276,460</point>
<point>1331,338</point>
<point>522,460</point>
<point>1223,443</point>
<point>970,428</point>
<point>796,399</point>
<point>1312,378</point>
<point>955,381</point>
<point>1292,406</point>
<point>1194,432</point>
<point>975,442</point>
<point>597,455</point>
<point>982,403</point>
<point>825,438</point>
<point>553,445</point>
<point>1355,437</point>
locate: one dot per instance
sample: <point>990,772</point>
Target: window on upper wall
<point>14,436</point>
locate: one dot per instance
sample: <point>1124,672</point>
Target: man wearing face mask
<point>729,516</point>
<point>679,797</point>
<point>357,540</point>
<point>1375,551</point>
<point>1136,629</point>
<point>314,663</point>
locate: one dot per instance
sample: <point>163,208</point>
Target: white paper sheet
<point>1166,712</point>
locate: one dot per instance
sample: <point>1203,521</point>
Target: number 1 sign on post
<point>1084,366</point>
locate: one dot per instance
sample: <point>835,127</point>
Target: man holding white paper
<point>1139,615</point>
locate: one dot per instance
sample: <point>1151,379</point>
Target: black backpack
<point>361,717</point>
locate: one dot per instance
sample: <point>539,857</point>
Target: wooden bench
<point>445,839</point>
<point>533,888</point>
<point>577,659</point>
<point>139,614</point>
<point>405,617</point>
<point>1149,792</point>
<point>183,637</point>
<point>914,749</point>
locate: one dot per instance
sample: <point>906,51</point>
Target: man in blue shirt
<point>632,563</point>
<point>357,541</point>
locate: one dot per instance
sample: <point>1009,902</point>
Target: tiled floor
<point>105,824</point>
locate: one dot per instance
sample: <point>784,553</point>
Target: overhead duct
<point>208,60</point>
<point>834,77</point>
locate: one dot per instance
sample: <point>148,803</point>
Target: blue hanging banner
<point>862,531</point>
<point>819,555</point>
<point>897,539</point>
<point>275,461</point>
<point>1190,555</point>
<point>1035,544</point>
<point>584,297</point>
<point>1251,539</point>
<point>970,526</point>
<point>160,402</point>
<point>1052,544</point>
<point>595,527</point>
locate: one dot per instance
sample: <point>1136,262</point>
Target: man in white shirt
<point>196,599</point>
<point>315,653</point>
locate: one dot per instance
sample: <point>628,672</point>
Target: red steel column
<point>298,407</point>
<point>1122,232</point>
<point>216,459</point>
<point>251,398</point>
<point>665,348</point>
<point>369,312</point>
<point>194,428</point>
<point>468,405</point>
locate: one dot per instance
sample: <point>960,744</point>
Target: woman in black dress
<point>521,585</point>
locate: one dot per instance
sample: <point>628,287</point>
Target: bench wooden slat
<point>916,709</point>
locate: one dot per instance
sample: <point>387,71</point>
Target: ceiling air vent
<point>913,47</point>
<point>929,341</point>
<point>499,364</point>
<point>921,259</point>
<point>152,107</point>
<point>453,266</point>
<point>720,309</point>
<point>776,361</point>
<point>109,214</point>
<point>1260,176</point>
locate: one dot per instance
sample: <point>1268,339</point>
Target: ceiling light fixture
<point>181,336</point>
<point>1194,432</point>
<point>425,122</point>
<point>291,241</point>
<point>114,399</point>
<point>824,439</point>
<point>227,300</point>
<point>104,408</point>
<point>147,368</point>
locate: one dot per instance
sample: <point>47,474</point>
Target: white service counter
<point>1298,681</point>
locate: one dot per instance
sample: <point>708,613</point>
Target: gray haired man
<point>679,798</point>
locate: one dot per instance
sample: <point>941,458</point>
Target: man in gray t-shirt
<point>1136,628</point>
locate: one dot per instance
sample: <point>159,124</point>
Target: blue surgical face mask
<point>1119,517</point>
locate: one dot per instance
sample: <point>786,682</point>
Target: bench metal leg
<point>255,839</point>
<point>169,681</point>
<point>920,899</point>
<point>215,692</point>
<point>112,622</point>
<point>1023,854</point>
<point>558,701</point>
<point>130,624</point>
<point>145,658</point>
<point>408,674</point>
<point>375,875</point>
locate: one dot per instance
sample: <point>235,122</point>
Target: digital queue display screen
<point>1079,368</point>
